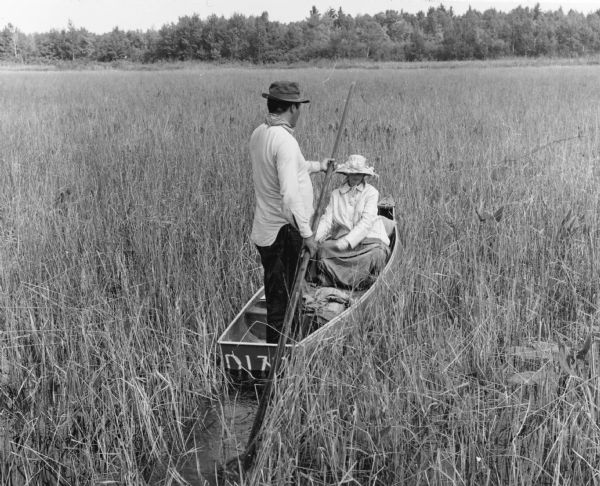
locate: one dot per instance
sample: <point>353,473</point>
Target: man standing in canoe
<point>284,198</point>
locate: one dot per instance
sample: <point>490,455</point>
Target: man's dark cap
<point>285,91</point>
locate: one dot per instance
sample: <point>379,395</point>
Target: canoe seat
<point>385,207</point>
<point>256,319</point>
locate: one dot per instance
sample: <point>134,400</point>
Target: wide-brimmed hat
<point>285,91</point>
<point>355,164</point>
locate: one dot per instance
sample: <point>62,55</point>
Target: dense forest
<point>439,34</point>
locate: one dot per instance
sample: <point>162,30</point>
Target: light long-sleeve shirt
<point>351,216</point>
<point>282,185</point>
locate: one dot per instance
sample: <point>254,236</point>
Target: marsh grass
<point>125,208</point>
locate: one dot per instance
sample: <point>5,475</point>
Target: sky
<point>101,16</point>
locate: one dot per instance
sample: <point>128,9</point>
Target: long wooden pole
<point>247,457</point>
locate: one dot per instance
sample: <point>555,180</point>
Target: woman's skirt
<point>355,268</point>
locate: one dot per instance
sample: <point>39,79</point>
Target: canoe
<point>242,344</point>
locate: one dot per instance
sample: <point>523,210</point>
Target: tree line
<point>439,34</point>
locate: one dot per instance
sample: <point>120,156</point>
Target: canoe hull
<point>242,351</point>
<point>248,357</point>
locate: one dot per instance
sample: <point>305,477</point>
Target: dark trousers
<point>279,262</point>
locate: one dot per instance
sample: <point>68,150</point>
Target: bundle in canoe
<point>243,345</point>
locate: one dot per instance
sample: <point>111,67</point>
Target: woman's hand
<point>328,244</point>
<point>340,244</point>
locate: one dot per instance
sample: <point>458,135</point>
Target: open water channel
<point>222,436</point>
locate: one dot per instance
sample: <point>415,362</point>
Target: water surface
<point>223,435</point>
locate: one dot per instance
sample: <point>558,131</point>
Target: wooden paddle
<point>248,455</point>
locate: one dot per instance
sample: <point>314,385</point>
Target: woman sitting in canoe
<point>353,244</point>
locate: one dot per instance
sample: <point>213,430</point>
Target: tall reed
<point>125,210</point>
